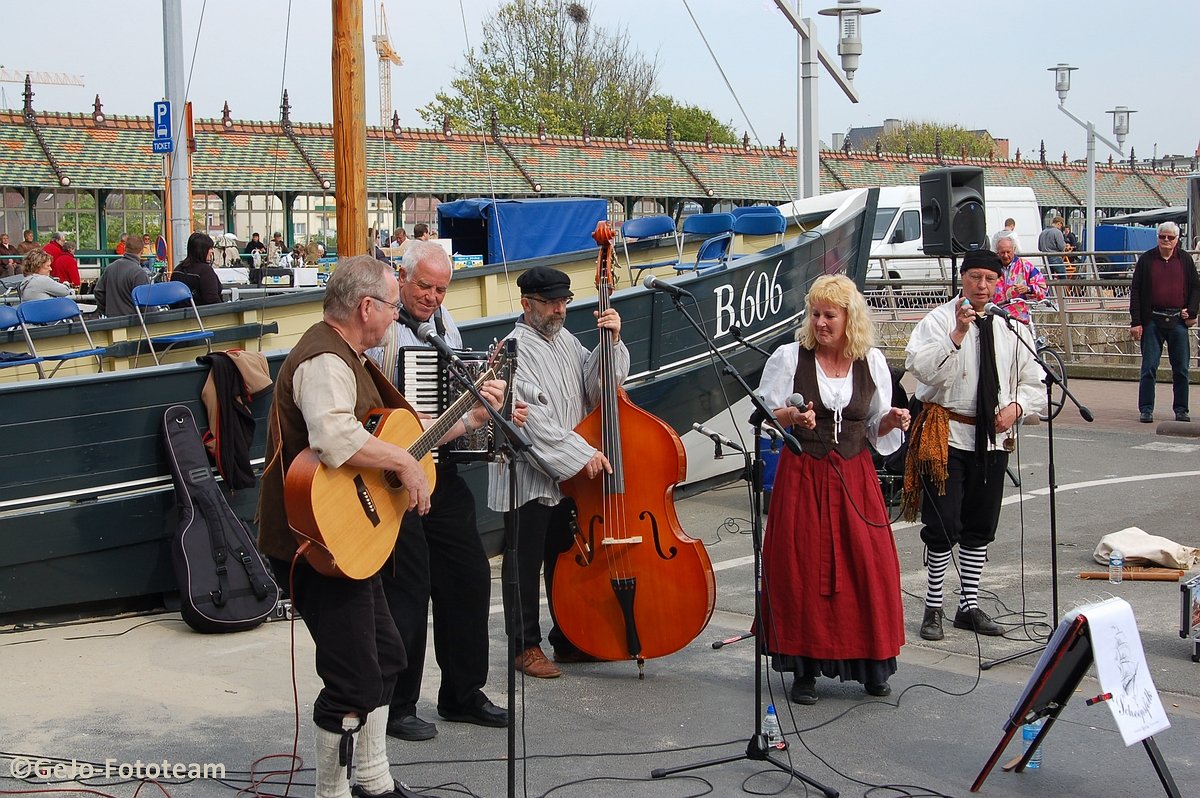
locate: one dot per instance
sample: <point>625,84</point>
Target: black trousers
<point>969,512</point>
<point>440,558</point>
<point>543,532</point>
<point>359,651</point>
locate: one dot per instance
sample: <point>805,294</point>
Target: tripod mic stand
<point>757,749</point>
<point>1050,379</point>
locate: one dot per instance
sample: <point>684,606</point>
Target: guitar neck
<point>446,421</point>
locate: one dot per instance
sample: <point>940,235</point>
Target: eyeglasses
<point>565,300</point>
<point>1167,238</point>
<point>395,306</point>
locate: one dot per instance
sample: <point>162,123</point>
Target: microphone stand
<point>516,444</point>
<point>1050,379</point>
<point>757,749</point>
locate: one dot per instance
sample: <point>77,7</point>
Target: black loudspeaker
<point>952,211</point>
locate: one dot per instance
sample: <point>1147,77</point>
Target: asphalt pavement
<point>148,689</point>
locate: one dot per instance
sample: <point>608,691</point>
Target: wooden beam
<point>349,127</point>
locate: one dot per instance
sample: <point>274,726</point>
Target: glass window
<point>208,214</point>
<point>314,218</point>
<point>883,220</point>
<point>910,225</point>
<point>14,215</point>
<point>132,213</point>
<point>421,208</point>
<point>69,211</point>
<point>257,213</point>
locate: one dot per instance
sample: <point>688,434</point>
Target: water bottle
<point>1028,732</point>
<point>770,727</point>
<point>1116,562</point>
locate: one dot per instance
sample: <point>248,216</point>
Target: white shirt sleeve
<point>323,387</point>
<point>881,404</point>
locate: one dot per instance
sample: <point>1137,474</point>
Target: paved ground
<point>149,689</point>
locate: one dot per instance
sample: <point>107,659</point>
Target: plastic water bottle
<point>770,727</point>
<point>1028,732</point>
<point>1116,562</point>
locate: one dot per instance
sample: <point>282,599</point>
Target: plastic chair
<point>713,252</point>
<point>704,224</point>
<point>53,311</point>
<point>165,294</point>
<point>647,227</point>
<point>753,209</point>
<point>761,224</point>
<point>9,318</point>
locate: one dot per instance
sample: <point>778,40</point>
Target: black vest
<point>853,436</point>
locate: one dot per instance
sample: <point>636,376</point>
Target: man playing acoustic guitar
<point>323,388</point>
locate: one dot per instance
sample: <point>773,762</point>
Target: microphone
<point>654,284</point>
<point>716,437</point>
<point>797,400</point>
<point>428,334</point>
<point>992,309</point>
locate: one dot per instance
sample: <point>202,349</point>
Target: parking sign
<point>162,128</point>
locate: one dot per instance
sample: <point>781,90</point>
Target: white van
<point>897,228</point>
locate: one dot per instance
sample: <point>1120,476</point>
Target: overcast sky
<point>976,63</point>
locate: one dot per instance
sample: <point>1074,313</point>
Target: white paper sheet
<point>1122,670</point>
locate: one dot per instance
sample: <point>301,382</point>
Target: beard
<point>547,326</point>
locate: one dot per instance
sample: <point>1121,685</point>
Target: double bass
<point>633,585</point>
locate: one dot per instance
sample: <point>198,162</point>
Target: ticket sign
<point>162,128</point>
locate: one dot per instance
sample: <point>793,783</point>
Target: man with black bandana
<point>976,381</point>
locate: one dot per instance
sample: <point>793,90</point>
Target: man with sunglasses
<point>1164,298</point>
<point>560,381</point>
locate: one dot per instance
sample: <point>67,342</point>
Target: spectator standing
<point>1164,298</point>
<point>114,289</point>
<point>196,270</point>
<point>64,267</point>
<point>1051,240</point>
<point>1010,226</point>
<point>38,284</point>
<point>27,244</point>
<point>54,247</point>
<point>1021,281</point>
<point>255,245</point>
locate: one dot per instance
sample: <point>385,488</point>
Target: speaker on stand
<point>952,214</point>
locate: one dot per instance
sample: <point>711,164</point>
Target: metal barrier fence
<point>1088,323</point>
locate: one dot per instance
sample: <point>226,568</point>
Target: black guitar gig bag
<point>224,586</point>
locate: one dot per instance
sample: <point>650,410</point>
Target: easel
<point>1046,696</point>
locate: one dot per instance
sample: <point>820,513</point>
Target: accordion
<point>425,380</point>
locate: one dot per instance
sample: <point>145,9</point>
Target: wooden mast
<point>349,128</point>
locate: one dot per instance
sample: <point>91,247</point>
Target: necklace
<point>837,369</point>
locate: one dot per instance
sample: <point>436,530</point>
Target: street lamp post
<point>1062,84</point>
<point>849,14</point>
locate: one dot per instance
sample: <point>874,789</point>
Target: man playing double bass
<point>560,382</point>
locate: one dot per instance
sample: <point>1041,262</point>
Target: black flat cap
<point>545,282</point>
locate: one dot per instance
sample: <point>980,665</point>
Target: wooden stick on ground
<point>1138,573</point>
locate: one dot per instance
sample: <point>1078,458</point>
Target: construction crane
<point>45,78</point>
<point>387,57</point>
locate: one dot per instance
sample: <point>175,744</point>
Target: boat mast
<point>349,128</point>
<point>179,200</point>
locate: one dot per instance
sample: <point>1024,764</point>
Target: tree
<point>542,61</point>
<point>923,138</point>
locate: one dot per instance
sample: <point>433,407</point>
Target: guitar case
<point>224,586</point>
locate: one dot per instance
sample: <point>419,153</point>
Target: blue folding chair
<point>646,227</point>
<point>704,224</point>
<point>752,209</point>
<point>761,224</point>
<point>9,318</point>
<point>155,295</point>
<point>712,253</point>
<point>53,311</point>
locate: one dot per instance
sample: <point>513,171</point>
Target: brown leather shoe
<point>532,662</point>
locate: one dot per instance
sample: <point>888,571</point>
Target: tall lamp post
<point>849,14</point>
<point>1062,84</point>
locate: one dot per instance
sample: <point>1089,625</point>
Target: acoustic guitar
<point>350,516</point>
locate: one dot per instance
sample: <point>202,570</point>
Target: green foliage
<point>542,61</point>
<point>923,137</point>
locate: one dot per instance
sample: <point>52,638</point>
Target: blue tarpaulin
<point>528,228</point>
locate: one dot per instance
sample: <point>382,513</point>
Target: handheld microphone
<point>796,400</point>
<point>716,437</point>
<point>428,334</point>
<point>654,284</point>
<point>992,309</point>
